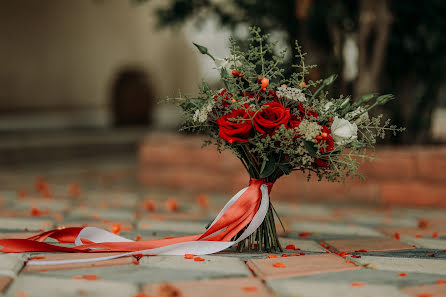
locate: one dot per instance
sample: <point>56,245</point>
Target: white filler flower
<point>226,63</point>
<point>343,131</point>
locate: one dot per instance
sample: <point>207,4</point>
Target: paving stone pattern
<point>329,249</point>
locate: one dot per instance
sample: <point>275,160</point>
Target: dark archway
<point>132,98</point>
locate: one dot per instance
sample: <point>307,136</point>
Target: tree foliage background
<point>401,45</point>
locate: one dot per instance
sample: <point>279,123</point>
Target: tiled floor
<point>340,250</point>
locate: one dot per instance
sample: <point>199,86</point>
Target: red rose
<point>294,122</point>
<point>226,100</point>
<point>271,117</point>
<point>325,139</point>
<point>306,111</point>
<point>235,126</point>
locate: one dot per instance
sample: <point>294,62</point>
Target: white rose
<point>343,131</point>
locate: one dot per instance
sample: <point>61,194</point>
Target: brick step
<point>410,176</point>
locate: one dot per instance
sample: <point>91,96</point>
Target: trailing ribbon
<point>247,208</point>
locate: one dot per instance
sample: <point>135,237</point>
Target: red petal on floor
<point>441,281</point>
<point>203,200</point>
<point>435,235</point>
<point>272,256</point>
<point>358,284</point>
<point>136,262</point>
<point>90,277</point>
<point>138,238</point>
<point>189,256</point>
<point>431,255</point>
<point>116,228</point>
<point>141,294</point>
<point>304,234</point>
<point>424,295</point>
<point>361,251</point>
<point>397,236</point>
<point>198,259</point>
<point>249,289</point>
<point>418,236</point>
<point>402,274</point>
<point>172,204</point>
<point>279,265</point>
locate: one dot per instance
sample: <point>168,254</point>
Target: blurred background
<point>83,78</point>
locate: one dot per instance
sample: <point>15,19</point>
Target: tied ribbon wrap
<point>247,208</point>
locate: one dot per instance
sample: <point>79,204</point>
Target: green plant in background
<point>401,45</point>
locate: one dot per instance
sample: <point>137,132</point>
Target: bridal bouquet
<point>276,125</point>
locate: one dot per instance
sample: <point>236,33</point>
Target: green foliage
<point>287,148</point>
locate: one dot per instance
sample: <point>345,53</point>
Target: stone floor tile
<point>427,243</point>
<point>437,290</point>
<point>303,244</point>
<point>102,214</point>
<point>293,287</point>
<point>70,256</point>
<point>301,265</point>
<point>368,244</point>
<point>10,266</point>
<point>56,205</point>
<point>20,235</point>
<point>234,287</point>
<point>25,224</point>
<point>372,277</point>
<point>380,220</point>
<point>338,229</point>
<point>414,231</point>
<point>410,253</point>
<point>431,266</point>
<point>38,286</point>
<point>211,264</point>
<point>174,227</point>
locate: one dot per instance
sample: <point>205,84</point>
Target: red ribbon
<point>237,217</point>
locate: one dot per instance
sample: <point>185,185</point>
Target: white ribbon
<point>190,247</point>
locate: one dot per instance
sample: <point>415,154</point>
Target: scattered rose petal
<point>249,289</point>
<point>397,236</point>
<point>418,236</point>
<point>271,256</point>
<point>424,295</point>
<point>149,205</point>
<point>203,200</point>
<point>116,228</point>
<point>357,284</point>
<point>361,251</point>
<point>198,259</point>
<point>279,265</point>
<point>189,256</point>
<point>172,204</point>
<point>292,247</point>
<point>423,224</point>
<point>402,274</point>
<point>90,277</point>
<point>136,262</point>
<point>138,238</point>
<point>304,234</point>
<point>441,281</point>
<point>431,255</point>
<point>21,294</point>
<point>435,235</point>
